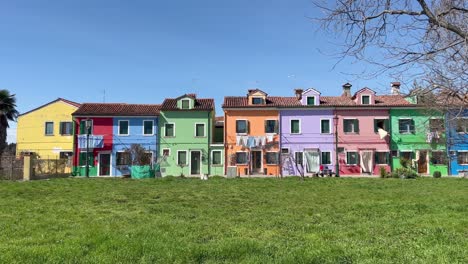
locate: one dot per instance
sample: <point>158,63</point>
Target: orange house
<point>251,133</point>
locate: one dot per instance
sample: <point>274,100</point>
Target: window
<point>365,99</point>
<point>408,155</point>
<point>83,159</point>
<point>65,154</point>
<point>241,126</point>
<point>186,104</point>
<point>299,157</point>
<point>181,157</point>
<point>406,126</point>
<point>148,127</point>
<point>351,126</point>
<point>310,100</point>
<point>199,130</point>
<point>83,127</point>
<point>351,158</point>
<point>272,158</point>
<point>241,158</point>
<point>123,158</point>
<point>436,125</point>
<point>295,126</point>
<point>123,127</point>
<point>382,157</point>
<point>284,151</point>
<point>325,126</point>
<point>462,158</point>
<point>257,100</point>
<point>49,128</point>
<point>326,158</point>
<point>216,157</point>
<point>380,123</point>
<point>169,130</point>
<point>166,152</point>
<point>340,150</point>
<point>462,125</point>
<point>147,158</point>
<point>438,158</point>
<point>66,128</point>
<point>271,126</point>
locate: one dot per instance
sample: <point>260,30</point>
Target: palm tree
<point>8,112</point>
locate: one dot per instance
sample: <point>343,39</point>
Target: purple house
<point>307,135</point>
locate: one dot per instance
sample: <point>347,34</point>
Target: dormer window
<point>310,100</point>
<point>185,104</point>
<point>365,99</point>
<point>257,100</point>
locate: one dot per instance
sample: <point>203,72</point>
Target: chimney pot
<point>346,89</point>
<point>298,93</point>
<point>395,90</point>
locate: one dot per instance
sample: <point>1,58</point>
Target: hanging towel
<point>269,138</point>
<point>429,136</point>
<point>250,142</point>
<point>238,140</point>
<point>263,139</point>
<point>382,133</point>
<point>243,141</point>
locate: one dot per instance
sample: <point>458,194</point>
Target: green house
<point>418,140</point>
<point>186,129</point>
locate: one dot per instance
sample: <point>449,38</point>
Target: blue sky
<point>145,51</point>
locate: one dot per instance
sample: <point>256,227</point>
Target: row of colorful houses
<point>307,133</point>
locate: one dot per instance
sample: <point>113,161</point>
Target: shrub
<point>404,162</point>
<point>383,172</point>
<point>406,173</point>
<point>437,174</point>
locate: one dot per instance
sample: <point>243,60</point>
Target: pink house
<point>363,124</point>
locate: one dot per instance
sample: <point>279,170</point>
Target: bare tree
<point>421,40</point>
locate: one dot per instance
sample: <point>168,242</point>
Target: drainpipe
<point>280,145</point>
<point>209,142</point>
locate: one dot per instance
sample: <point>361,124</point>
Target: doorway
<point>256,158</point>
<point>195,162</point>
<point>422,162</point>
<point>366,162</point>
<point>104,164</point>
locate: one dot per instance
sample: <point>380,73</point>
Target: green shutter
<point>82,127</point>
<point>386,125</point>
<point>375,125</point>
<point>356,125</point>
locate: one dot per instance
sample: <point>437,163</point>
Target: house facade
<point>307,135</point>
<point>457,141</point>
<point>186,128</point>
<point>47,131</point>
<point>114,129</point>
<point>418,140</point>
<point>251,133</point>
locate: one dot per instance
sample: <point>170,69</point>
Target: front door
<point>195,160</point>
<point>104,164</point>
<point>256,159</point>
<point>422,162</point>
<point>366,162</point>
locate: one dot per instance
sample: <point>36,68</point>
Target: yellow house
<point>47,130</point>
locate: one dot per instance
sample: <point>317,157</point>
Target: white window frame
<point>407,151</point>
<point>169,123</point>
<point>182,104</point>
<point>186,157</point>
<point>456,124</point>
<point>98,167</point>
<point>287,153</point>
<point>354,127</point>
<point>329,126</point>
<point>407,132</point>
<point>307,99</point>
<point>362,101</point>
<point>279,157</point>
<point>246,158</point>
<point>331,158</point>
<point>45,128</point>
<point>169,151</point>
<point>116,159</point>
<point>221,155</point>
<point>204,130</point>
<point>128,128</point>
<point>438,151</point>
<point>246,127</point>
<point>357,158</point>
<point>92,126</point>
<point>60,128</point>
<point>383,151</point>
<point>303,158</point>
<point>290,126</point>
<point>463,151</point>
<point>152,128</point>
<point>258,97</point>
<point>277,125</point>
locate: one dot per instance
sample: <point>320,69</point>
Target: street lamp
<point>337,166</point>
<point>88,124</point>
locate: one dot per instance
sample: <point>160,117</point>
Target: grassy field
<point>331,220</point>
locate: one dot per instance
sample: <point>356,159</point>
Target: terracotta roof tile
<point>271,101</point>
<point>201,104</point>
<point>117,109</point>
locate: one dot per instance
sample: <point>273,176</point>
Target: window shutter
<point>386,125</point>
<point>276,126</point>
<point>356,125</point>
<point>248,126</point>
<point>266,126</point>
<point>412,127</point>
<point>387,155</point>
<point>375,126</point>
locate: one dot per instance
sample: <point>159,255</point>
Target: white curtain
<point>366,161</point>
<point>312,161</point>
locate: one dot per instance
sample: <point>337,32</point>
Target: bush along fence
<point>11,168</point>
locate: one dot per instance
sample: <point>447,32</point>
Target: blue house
<point>457,142</point>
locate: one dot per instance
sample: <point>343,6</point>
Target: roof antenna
<point>104,95</point>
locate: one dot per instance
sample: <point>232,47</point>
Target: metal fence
<point>51,168</point>
<point>11,168</point>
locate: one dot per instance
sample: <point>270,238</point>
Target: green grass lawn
<point>327,220</point>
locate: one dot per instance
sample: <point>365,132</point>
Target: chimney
<point>347,90</point>
<point>395,88</point>
<point>298,93</point>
